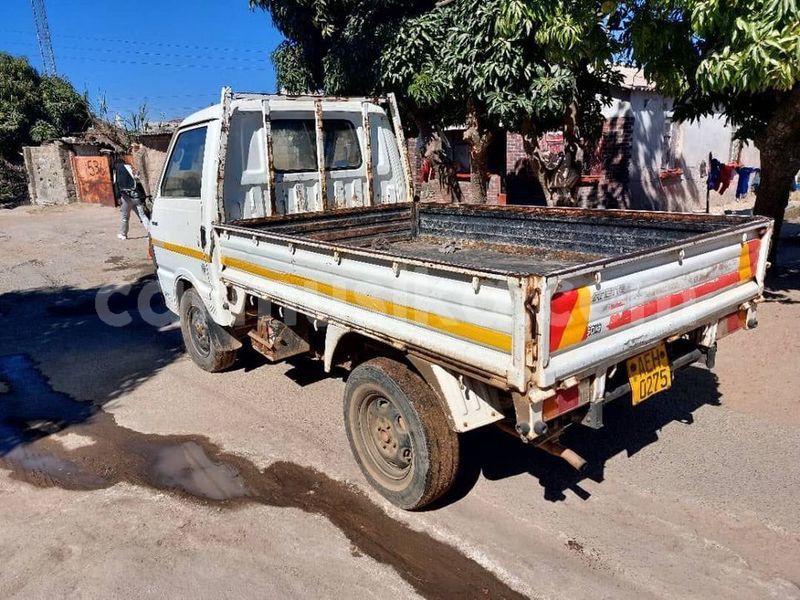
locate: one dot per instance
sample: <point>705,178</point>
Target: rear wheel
<point>200,335</point>
<point>399,434</point>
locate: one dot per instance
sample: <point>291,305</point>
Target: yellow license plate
<point>649,373</point>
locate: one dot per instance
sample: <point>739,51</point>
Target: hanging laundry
<point>426,170</point>
<point>725,175</point>
<point>713,174</point>
<point>743,186</point>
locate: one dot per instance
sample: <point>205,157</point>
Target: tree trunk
<point>478,139</point>
<point>772,196</point>
<point>779,148</point>
<point>432,149</point>
<point>530,143</point>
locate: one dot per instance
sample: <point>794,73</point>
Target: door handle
<point>202,237</point>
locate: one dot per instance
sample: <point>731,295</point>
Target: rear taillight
<point>562,402</point>
<point>731,323</point>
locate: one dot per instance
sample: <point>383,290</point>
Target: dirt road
<point>170,480</point>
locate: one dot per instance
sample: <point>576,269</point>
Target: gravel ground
<point>693,494</point>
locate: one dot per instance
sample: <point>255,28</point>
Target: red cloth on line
<point>725,175</point>
<point>426,170</point>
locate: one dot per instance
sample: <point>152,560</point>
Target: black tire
<point>200,335</point>
<point>399,433</point>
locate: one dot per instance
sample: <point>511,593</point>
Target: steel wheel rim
<point>385,438</point>
<point>198,331</point>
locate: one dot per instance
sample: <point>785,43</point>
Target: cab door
<point>178,232</point>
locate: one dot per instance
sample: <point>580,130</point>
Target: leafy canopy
<point>740,56</point>
<point>334,45</point>
<point>35,108</point>
<point>515,59</point>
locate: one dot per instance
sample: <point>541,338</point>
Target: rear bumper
<point>682,354</point>
<point>680,357</point>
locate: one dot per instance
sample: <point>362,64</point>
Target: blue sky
<point>176,54</point>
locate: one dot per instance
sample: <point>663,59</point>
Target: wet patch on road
<point>196,469</point>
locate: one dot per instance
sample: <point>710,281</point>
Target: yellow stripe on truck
<point>184,250</point>
<point>469,331</point>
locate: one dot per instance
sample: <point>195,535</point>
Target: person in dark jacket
<point>131,197</point>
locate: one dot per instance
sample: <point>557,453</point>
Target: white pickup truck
<point>289,223</point>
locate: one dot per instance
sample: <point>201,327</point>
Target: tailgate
<point>599,314</point>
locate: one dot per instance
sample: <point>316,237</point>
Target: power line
<point>146,53</point>
<point>161,64</point>
<point>148,43</point>
<point>220,65</point>
<point>168,96</point>
<point>161,54</point>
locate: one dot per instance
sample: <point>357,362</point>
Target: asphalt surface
<point>158,478</point>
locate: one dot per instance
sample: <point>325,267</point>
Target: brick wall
<point>515,151</point>
<point>614,152</point>
<point>431,192</point>
<point>149,155</point>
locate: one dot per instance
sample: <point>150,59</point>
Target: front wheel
<point>399,434</point>
<point>200,335</point>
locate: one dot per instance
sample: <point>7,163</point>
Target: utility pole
<point>43,37</point>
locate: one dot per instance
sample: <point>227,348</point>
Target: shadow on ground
<point>59,331</point>
<point>782,284</point>
<point>627,429</point>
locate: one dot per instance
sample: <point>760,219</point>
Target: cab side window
<point>294,145</point>
<point>342,150</point>
<point>184,175</point>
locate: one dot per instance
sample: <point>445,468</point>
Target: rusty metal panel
<point>323,178</point>
<point>93,180</point>
<point>266,123</point>
<point>222,150</point>
<point>366,128</point>
<point>394,113</point>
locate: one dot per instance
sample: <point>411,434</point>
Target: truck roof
<point>283,101</point>
<point>206,114</point>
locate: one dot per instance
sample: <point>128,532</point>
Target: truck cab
<point>282,155</point>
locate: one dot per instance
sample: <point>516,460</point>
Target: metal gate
<point>93,179</point>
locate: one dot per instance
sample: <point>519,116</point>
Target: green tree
<point>19,84</point>
<point>741,57</point>
<point>511,64</point>
<point>35,108</point>
<point>522,65</point>
<point>32,109</point>
<point>333,46</point>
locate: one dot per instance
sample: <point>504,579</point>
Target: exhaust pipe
<point>575,460</point>
<point>550,446</point>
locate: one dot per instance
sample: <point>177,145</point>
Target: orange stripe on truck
<point>569,317</point>
<point>748,259</point>
<point>184,250</point>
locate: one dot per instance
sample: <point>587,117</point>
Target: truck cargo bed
<point>520,294</point>
<point>512,241</point>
